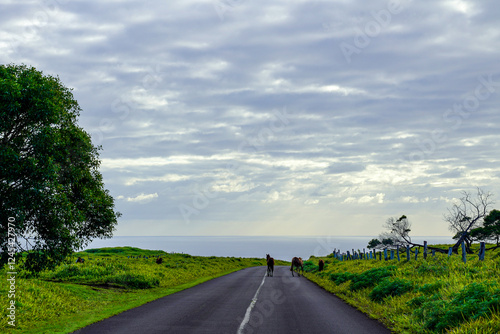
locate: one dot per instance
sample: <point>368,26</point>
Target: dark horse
<point>321,264</point>
<point>270,265</point>
<point>297,263</point>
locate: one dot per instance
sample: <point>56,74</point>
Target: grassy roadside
<point>110,281</point>
<point>438,295</point>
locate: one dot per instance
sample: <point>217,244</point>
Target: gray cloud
<point>246,117</point>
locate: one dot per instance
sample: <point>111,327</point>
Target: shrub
<point>371,277</point>
<point>309,267</point>
<point>474,301</point>
<point>387,287</point>
<point>340,278</point>
<point>417,301</point>
<point>430,288</point>
<point>364,280</point>
<point>322,274</point>
<point>133,281</point>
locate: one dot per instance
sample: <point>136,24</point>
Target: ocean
<point>279,247</point>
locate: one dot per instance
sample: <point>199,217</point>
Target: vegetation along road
<point>244,302</point>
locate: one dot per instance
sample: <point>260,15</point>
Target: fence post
<point>380,256</point>
<point>407,253</point>
<point>348,255</point>
<point>385,254</point>
<point>416,252</point>
<point>425,250</point>
<point>433,252</point>
<point>450,250</point>
<point>464,258</point>
<point>397,248</point>
<point>482,251</point>
<point>392,254</point>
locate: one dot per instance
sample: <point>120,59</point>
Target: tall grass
<point>438,295</point>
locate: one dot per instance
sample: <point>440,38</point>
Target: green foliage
<point>477,300</point>
<point>388,287</point>
<point>133,281</point>
<point>340,278</point>
<point>126,251</point>
<point>102,273</point>
<point>364,280</point>
<point>418,301</point>
<point>490,229</point>
<point>374,243</point>
<point>370,277</point>
<point>387,242</point>
<point>49,177</point>
<point>309,267</point>
<point>436,269</point>
<point>430,288</point>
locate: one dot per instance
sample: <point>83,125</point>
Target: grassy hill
<point>438,295</point>
<point>111,280</point>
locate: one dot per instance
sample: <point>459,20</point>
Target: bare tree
<point>399,230</point>
<point>467,214</point>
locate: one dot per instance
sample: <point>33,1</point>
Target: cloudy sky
<point>244,117</point>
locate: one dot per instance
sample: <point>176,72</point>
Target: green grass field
<point>438,295</point>
<point>110,281</point>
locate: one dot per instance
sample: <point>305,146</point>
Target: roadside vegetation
<point>110,281</point>
<point>440,294</point>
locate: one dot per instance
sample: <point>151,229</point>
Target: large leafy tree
<point>49,178</point>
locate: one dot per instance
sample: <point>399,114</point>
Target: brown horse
<point>321,264</point>
<point>297,263</point>
<point>270,265</point>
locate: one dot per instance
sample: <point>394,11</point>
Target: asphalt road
<point>244,302</point>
